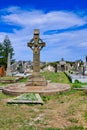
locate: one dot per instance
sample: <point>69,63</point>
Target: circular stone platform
<point>20,88</point>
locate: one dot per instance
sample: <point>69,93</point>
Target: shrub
<point>77,81</point>
<point>76,85</point>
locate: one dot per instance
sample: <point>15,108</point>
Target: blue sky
<point>62,24</point>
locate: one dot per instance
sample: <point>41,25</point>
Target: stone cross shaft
<point>36,44</point>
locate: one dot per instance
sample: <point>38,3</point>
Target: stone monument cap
<point>36,31</point>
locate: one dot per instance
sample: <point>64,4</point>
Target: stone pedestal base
<point>37,81</point>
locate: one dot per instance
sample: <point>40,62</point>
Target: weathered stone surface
<point>20,88</point>
<point>37,81</point>
<point>36,44</point>
<point>17,100</point>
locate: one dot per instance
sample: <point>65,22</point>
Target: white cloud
<point>51,20</point>
<point>83,44</point>
<point>57,45</point>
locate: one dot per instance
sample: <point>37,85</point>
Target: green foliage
<point>1,54</point>
<point>51,76</point>
<point>71,72</point>
<point>52,129</point>
<point>58,95</point>
<point>6,48</point>
<point>77,81</point>
<point>2,84</point>
<point>53,64</point>
<point>70,92</point>
<point>7,78</point>
<point>46,98</point>
<point>1,49</point>
<point>75,128</point>
<point>27,128</point>
<point>56,77</point>
<point>2,96</point>
<point>76,85</point>
<point>85,115</point>
<point>73,120</point>
<point>21,116</point>
<point>27,96</point>
<point>24,79</point>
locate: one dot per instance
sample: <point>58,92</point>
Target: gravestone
<point>8,72</point>
<point>36,44</point>
<point>21,67</point>
<point>85,68</point>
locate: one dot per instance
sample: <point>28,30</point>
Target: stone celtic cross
<point>36,44</point>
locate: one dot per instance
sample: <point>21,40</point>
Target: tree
<point>7,48</point>
<point>1,54</point>
<point>1,50</point>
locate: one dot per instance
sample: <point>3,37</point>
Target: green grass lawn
<point>64,111</point>
<point>59,77</point>
<point>12,79</point>
<point>7,78</point>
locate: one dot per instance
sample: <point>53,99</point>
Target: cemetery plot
<point>9,79</point>
<point>26,99</point>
